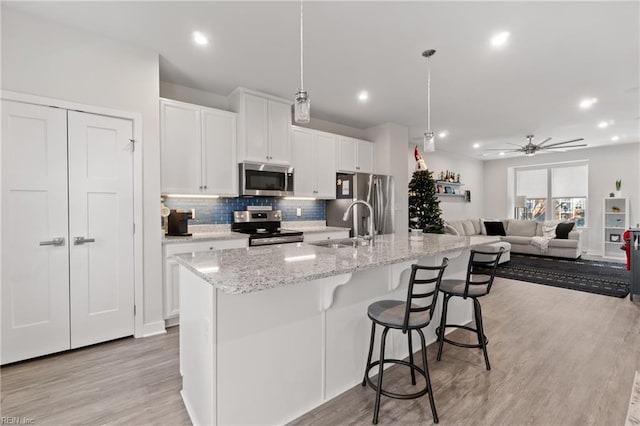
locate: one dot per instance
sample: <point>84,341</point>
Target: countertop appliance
<point>265,179</point>
<point>377,190</point>
<point>263,227</point>
<point>178,225</point>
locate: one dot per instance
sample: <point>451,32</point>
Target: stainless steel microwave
<point>265,179</point>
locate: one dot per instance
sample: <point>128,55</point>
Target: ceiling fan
<point>530,148</point>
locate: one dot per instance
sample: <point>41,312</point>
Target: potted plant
<point>618,186</point>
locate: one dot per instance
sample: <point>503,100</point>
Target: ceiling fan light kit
<point>530,148</point>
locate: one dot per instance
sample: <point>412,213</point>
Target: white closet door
<point>35,277</point>
<point>101,214</point>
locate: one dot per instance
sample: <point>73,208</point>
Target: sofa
<point>519,234</point>
<point>474,228</point>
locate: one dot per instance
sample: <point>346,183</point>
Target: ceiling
<point>558,54</point>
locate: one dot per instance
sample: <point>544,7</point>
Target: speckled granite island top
<point>247,270</point>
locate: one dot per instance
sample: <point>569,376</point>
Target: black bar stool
<point>405,316</point>
<point>481,271</point>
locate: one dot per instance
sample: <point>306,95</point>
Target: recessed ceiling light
<point>588,103</point>
<point>605,124</point>
<point>502,153</point>
<point>476,145</point>
<point>363,96</point>
<point>443,134</point>
<point>200,38</point>
<point>615,138</point>
<point>500,39</point>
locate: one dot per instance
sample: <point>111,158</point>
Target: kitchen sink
<point>343,243</point>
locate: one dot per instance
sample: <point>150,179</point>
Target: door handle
<point>81,240</point>
<point>54,242</point>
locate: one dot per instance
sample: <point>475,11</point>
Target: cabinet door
<point>220,168</point>
<point>279,133</point>
<point>347,154</point>
<point>364,162</point>
<point>324,159</point>
<point>180,148</point>
<point>303,163</point>
<point>101,211</point>
<point>256,125</point>
<point>35,277</point>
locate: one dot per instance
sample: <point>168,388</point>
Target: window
<point>555,192</point>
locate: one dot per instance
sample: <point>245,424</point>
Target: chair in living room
<point>481,271</point>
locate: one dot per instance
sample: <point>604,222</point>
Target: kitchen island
<point>269,333</point>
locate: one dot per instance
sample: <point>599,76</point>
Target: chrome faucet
<point>345,217</point>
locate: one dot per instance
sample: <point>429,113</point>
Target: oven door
<point>265,179</point>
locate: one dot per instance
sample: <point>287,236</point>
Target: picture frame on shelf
<point>448,190</point>
<point>440,189</point>
<point>614,238</point>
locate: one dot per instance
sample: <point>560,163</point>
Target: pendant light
<point>429,137</point>
<point>302,104</point>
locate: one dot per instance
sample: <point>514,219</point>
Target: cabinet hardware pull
<point>54,242</point>
<point>82,240</point>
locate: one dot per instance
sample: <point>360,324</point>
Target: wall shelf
<point>449,190</point>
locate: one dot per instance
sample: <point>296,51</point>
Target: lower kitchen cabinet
<point>171,279</point>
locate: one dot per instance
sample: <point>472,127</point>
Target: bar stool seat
<point>407,317</point>
<point>456,288</point>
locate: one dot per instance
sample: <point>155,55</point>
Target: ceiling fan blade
<point>515,144</point>
<point>544,141</point>
<point>503,150</point>
<point>563,147</point>
<point>562,143</point>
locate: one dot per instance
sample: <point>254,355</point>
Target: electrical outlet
<point>298,212</point>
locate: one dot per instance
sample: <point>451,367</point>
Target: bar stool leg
<point>443,324</point>
<point>425,366</point>
<point>413,373</point>
<point>482,340</point>
<point>381,370</point>
<point>366,368</point>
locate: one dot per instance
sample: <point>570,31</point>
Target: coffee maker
<point>178,223</point>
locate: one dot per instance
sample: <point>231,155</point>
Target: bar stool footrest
<point>460,344</point>
<point>414,395</point>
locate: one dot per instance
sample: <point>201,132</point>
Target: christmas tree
<point>424,206</point>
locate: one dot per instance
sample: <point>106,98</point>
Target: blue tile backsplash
<point>216,211</point>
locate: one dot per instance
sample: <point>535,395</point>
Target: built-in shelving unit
<point>615,221</point>
<point>450,189</point>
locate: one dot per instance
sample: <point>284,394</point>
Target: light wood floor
<point>559,357</point>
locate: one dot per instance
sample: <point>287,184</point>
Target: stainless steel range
<point>263,227</point>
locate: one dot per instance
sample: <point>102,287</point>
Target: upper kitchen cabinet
<point>355,155</point>
<point>314,162</point>
<point>264,127</point>
<point>198,150</point>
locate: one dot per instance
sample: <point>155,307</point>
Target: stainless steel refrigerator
<point>377,190</point>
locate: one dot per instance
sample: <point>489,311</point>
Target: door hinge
<point>134,310</point>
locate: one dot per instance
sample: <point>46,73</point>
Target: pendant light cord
<point>301,47</point>
<point>428,94</point>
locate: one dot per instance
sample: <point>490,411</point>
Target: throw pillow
<point>467,225</point>
<point>495,228</point>
<point>448,229</point>
<point>563,229</point>
<point>522,228</point>
<point>549,229</point>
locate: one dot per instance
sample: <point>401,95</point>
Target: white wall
<point>45,59</point>
<point>181,93</point>
<point>606,165</point>
<point>471,175</point>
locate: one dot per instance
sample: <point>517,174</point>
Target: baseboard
<point>172,322</point>
<point>152,329</point>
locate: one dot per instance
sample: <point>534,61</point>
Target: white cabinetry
<point>264,127</point>
<point>355,155</point>
<point>170,270</point>
<point>198,149</point>
<point>615,222</point>
<point>314,161</point>
<point>67,220</point>
<point>329,235</point>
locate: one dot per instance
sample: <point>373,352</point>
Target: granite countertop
<point>247,270</point>
<point>316,229</point>
<point>205,236</point>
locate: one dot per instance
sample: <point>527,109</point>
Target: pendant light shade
<point>429,136</point>
<point>302,104</point>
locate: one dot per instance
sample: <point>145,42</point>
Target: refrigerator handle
<point>379,207</point>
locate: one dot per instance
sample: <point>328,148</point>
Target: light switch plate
<point>298,212</point>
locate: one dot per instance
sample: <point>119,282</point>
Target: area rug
<point>633,414</point>
<point>607,278</point>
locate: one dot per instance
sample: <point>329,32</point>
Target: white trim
<point>140,329</point>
